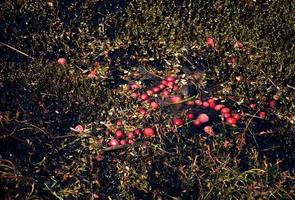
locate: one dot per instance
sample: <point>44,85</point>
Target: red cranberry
<point>135,94</point>
<point>218,107</point>
<point>196,122</point>
<point>205,104</point>
<point>212,105</point>
<point>137,131</point>
<point>119,134</point>
<point>156,89</point>
<point>176,99</point>
<point>170,84</point>
<point>149,132</point>
<point>113,142</point>
<point>203,118</point>
<point>211,100</point>
<point>149,92</point>
<point>154,105</point>
<point>144,97</point>
<point>61,61</point>
<point>170,78</point>
<point>262,114</point>
<point>198,102</point>
<point>119,123</point>
<point>142,111</point>
<point>162,86</point>
<point>210,42</point>
<point>252,105</point>
<point>175,88</point>
<point>190,116</point>
<point>272,104</point>
<point>79,128</point>
<point>225,110</point>
<point>276,97</point>
<point>92,74</point>
<point>226,115</point>
<point>130,135</point>
<point>177,122</point>
<point>165,93</point>
<point>164,82</point>
<point>123,142</point>
<point>134,86</point>
<point>231,121</point>
<point>190,103</point>
<point>237,116</point>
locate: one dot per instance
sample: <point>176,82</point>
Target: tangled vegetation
<point>239,52</point>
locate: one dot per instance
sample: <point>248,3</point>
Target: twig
<point>11,47</point>
<point>289,86</point>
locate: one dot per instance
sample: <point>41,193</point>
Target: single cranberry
<point>238,45</point>
<point>113,142</point>
<point>156,89</point>
<point>218,107</point>
<point>119,123</point>
<point>231,121</point>
<point>203,118</point>
<point>211,100</point>
<point>134,86</point>
<point>61,61</point>
<point>149,92</point>
<point>190,103</point>
<point>252,105</point>
<point>144,97</point>
<point>177,122</point>
<point>123,142</point>
<point>162,86</point>
<point>272,104</point>
<point>149,132</point>
<point>170,78</point>
<point>262,114</point>
<point>210,42</point>
<point>135,94</point>
<point>212,105</point>
<point>237,116</point>
<point>198,102</point>
<point>190,116</point>
<point>209,130</point>
<point>137,131</point>
<point>226,115</point>
<point>176,99</point>
<point>142,111</point>
<point>196,122</point>
<point>130,135</point>
<point>119,134</point>
<point>225,110</point>
<point>154,105</point>
<point>165,93</point>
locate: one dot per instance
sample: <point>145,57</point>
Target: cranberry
<point>218,107</point>
<point>237,116</point>
<point>231,121</point>
<point>144,97</point>
<point>253,105</point>
<point>123,142</point>
<point>135,94</point>
<point>170,84</point>
<point>226,115</point>
<point>154,105</point>
<point>209,130</point>
<point>165,93</point>
<point>164,82</point>
<point>262,114</point>
<point>210,42</point>
<point>177,122</point>
<point>113,142</point>
<point>79,128</point>
<point>211,100</point>
<point>61,61</point>
<point>212,105</point>
<point>203,118</point>
<point>119,123</point>
<point>92,74</point>
<point>175,88</point>
<point>198,102</point>
<point>272,104</point>
<point>197,122</point>
<point>162,86</point>
<point>190,103</point>
<point>276,97</point>
<point>137,131</point>
<point>206,104</point>
<point>149,92</point>
<point>176,99</point>
<point>149,132</point>
<point>156,89</point>
<point>225,110</point>
<point>190,116</point>
<point>131,141</point>
<point>134,86</point>
<point>119,134</point>
<point>170,78</point>
<point>130,135</point>
<point>239,79</point>
<point>142,111</point>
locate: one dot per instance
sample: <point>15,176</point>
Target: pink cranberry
<point>123,142</point>
<point>238,45</point>
<point>212,105</point>
<point>162,86</point>
<point>218,107</point>
<point>130,135</point>
<point>252,105</point>
<point>156,89</point>
<point>272,104</point>
<point>209,130</point>
<point>170,84</point>
<point>206,104</point>
<point>196,122</point>
<point>79,128</point>
<point>149,132</point>
<point>149,92</point>
<point>210,42</point>
<point>62,61</point>
<point>135,94</point>
<point>137,131</point>
<point>237,116</point>
<point>262,114</point>
<point>142,111</point>
<point>211,100</point>
<point>231,121</point>
<point>203,118</point>
<point>144,97</point>
<point>198,102</point>
<point>225,110</point>
<point>113,142</point>
<point>154,105</point>
<point>165,93</point>
<point>226,115</point>
<point>176,99</point>
<point>170,78</point>
<point>190,116</point>
<point>119,123</point>
<point>119,134</point>
<point>177,122</point>
<point>134,86</point>
<point>175,88</point>
<point>164,82</point>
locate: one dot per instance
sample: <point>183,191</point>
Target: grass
<point>144,41</point>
